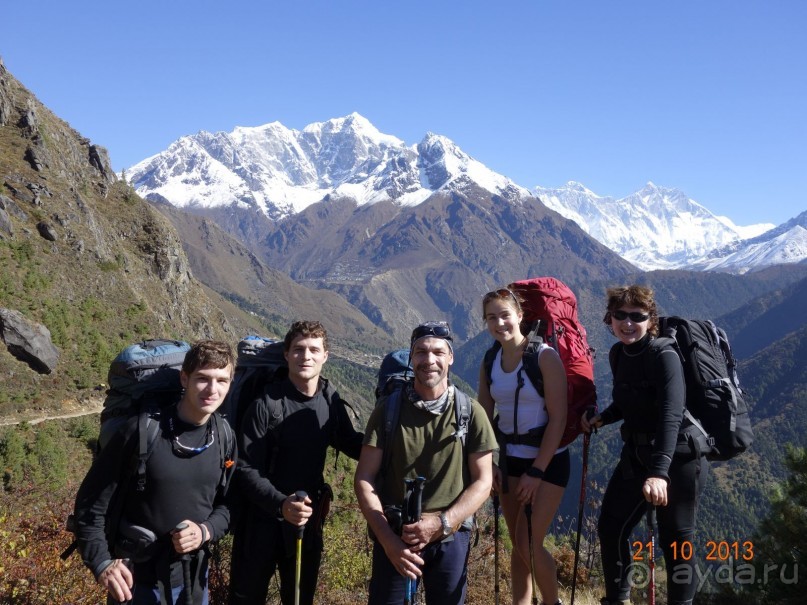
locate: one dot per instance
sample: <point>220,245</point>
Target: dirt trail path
<point>91,407</point>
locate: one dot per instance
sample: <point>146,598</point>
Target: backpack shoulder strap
<point>328,392</point>
<point>148,429</point>
<point>668,334</point>
<point>277,414</point>
<point>530,361</point>
<point>392,413</point>
<point>462,409</point>
<point>333,414</point>
<point>226,449</point>
<point>658,344</point>
<point>490,357</point>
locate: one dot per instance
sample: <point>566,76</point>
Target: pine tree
<point>782,541</point>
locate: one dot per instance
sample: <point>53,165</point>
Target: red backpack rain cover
<point>552,302</point>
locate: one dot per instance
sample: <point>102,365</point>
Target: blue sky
<point>709,96</point>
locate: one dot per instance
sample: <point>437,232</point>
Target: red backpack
<point>550,316</point>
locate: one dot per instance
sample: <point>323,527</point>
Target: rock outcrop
<point>28,341</point>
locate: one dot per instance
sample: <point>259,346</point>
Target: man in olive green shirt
<point>426,443</point>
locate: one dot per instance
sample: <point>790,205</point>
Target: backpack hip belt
<point>531,438</point>
<point>637,438</point>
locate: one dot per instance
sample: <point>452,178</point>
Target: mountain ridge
<point>654,228</point>
<point>282,172</point>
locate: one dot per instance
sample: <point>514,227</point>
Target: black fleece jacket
<point>649,395</point>
<point>295,430</point>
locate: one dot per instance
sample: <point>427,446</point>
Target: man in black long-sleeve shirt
<point>185,483</point>
<point>283,439</point>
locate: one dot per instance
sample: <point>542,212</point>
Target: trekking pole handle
<point>187,581</point>
<point>180,526</point>
<point>300,496</point>
<point>407,506</point>
<point>418,499</point>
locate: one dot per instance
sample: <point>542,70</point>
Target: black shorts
<point>557,473</point>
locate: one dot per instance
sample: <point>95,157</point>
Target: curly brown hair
<point>633,296</point>
<point>306,329</point>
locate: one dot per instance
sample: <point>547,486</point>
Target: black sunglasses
<point>635,316</point>
<point>439,330</point>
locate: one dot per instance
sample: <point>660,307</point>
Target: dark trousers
<point>143,594</point>
<point>160,581</point>
<point>624,506</point>
<point>445,573</point>
<point>262,546</point>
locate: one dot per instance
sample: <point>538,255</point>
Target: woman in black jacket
<point>659,466</point>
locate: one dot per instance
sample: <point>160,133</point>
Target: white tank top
<point>531,406</point>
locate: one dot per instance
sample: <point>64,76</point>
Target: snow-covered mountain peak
<point>575,187</point>
<point>281,170</point>
<point>443,163</point>
<point>354,125</point>
<point>653,196</point>
<point>655,228</point>
<point>778,246</point>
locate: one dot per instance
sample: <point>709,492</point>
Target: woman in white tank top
<point>532,470</point>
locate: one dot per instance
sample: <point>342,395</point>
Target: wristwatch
<point>447,529</point>
<point>534,472</point>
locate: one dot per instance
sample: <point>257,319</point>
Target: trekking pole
<point>496,548</point>
<point>528,513</point>
<point>651,527</point>
<point>300,496</point>
<point>406,515</point>
<point>580,507</point>
<point>415,518</point>
<point>186,570</point>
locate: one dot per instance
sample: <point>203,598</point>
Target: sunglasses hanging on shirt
<point>186,451</point>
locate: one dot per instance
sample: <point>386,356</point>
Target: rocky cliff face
<point>82,255</point>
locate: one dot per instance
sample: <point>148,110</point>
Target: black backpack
<point>144,374</point>
<point>394,371</point>
<point>260,361</point>
<point>715,402</point>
